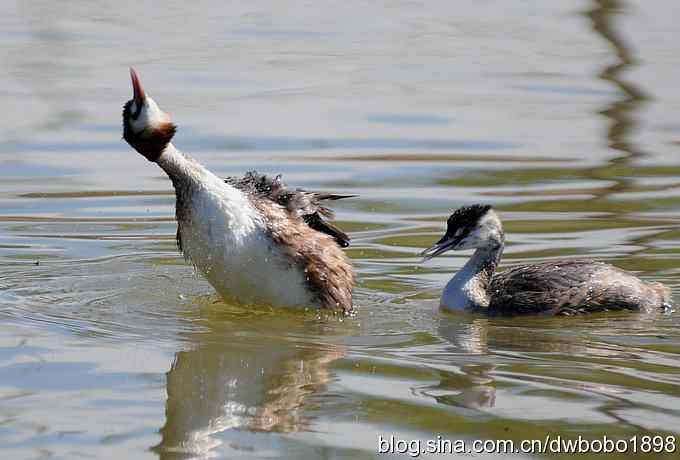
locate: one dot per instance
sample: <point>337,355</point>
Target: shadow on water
<point>620,113</point>
<point>615,177</point>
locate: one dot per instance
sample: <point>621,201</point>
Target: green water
<point>562,114</point>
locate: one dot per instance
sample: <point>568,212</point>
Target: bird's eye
<point>136,110</point>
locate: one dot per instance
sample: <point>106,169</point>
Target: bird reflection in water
<point>555,344</point>
<point>473,388</point>
<point>239,381</point>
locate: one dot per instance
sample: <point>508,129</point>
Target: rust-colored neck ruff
<point>151,143</point>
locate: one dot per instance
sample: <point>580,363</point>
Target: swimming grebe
<point>254,239</point>
<point>557,288</point>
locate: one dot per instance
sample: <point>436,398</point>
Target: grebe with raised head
<point>564,287</point>
<point>254,239</point>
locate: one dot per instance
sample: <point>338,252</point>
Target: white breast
<point>464,291</point>
<point>457,293</point>
<point>227,240</point>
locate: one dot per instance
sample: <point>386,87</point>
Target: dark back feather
<point>298,202</point>
<point>570,287</point>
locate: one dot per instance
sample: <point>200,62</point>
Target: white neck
<point>467,290</point>
<point>181,167</point>
<point>203,196</point>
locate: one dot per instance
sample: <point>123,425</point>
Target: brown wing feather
<point>328,270</point>
<point>298,202</point>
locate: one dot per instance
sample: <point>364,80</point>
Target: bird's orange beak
<point>137,90</point>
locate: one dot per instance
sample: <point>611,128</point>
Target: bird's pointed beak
<point>439,247</point>
<point>138,93</point>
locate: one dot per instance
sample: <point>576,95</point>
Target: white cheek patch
<point>470,241</point>
<point>486,230</point>
<point>151,116</point>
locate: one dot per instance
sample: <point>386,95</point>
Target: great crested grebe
<point>254,239</point>
<point>556,288</point>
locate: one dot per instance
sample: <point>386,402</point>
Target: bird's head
<point>145,126</point>
<point>469,227</point>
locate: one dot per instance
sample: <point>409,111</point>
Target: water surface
<point>562,114</point>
